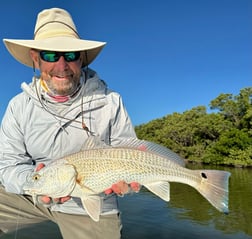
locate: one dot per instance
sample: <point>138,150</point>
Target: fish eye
<point>36,177</point>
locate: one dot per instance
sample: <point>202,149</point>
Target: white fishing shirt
<point>31,133</point>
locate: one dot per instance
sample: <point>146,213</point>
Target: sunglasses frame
<point>56,56</point>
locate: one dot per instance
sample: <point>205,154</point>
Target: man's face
<point>61,77</point>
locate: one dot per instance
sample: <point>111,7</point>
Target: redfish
<point>88,173</point>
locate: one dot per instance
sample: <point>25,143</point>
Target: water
<point>187,216</point>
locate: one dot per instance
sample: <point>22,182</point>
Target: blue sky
<point>162,56</point>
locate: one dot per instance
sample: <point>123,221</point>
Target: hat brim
<point>20,49</point>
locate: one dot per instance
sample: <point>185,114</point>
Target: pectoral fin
<point>93,206</point>
<point>161,189</point>
<point>91,202</point>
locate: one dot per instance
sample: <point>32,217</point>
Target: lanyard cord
<point>56,116</point>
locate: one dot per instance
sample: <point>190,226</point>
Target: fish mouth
<point>29,190</point>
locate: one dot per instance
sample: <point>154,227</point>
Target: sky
<point>162,56</point>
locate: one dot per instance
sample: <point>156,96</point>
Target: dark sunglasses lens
<point>71,56</point>
<point>49,56</point>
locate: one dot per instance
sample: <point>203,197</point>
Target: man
<point>53,117</point>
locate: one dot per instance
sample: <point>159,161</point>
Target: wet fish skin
<point>95,168</point>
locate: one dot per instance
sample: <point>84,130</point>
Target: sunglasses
<point>53,56</point>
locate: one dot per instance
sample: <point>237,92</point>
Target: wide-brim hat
<point>54,31</point>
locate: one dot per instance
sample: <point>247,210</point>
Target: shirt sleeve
<point>15,162</point>
<point>121,125</point>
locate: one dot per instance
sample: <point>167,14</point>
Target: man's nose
<point>62,62</point>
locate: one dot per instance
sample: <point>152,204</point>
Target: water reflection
<point>188,215</point>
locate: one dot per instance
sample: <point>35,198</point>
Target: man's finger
<point>40,165</point>
<point>122,187</point>
<point>108,191</point>
<point>45,199</point>
<point>135,186</point>
<point>64,199</point>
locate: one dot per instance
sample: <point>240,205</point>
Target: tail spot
<point>203,175</point>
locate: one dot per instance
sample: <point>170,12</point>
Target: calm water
<point>187,216</point>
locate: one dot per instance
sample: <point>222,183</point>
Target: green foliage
<point>237,109</point>
<point>223,137</point>
<point>232,144</point>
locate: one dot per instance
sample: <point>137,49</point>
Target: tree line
<point>220,136</point>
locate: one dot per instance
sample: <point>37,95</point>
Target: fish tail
<point>214,187</point>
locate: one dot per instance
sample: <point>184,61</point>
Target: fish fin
<point>152,147</point>
<point>214,187</point>
<point>161,189</point>
<point>92,203</point>
<point>93,142</point>
<point>93,206</point>
<point>35,199</point>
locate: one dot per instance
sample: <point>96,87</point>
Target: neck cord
<point>40,98</point>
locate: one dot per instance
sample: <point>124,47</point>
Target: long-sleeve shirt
<point>36,129</point>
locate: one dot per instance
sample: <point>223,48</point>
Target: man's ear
<point>35,58</point>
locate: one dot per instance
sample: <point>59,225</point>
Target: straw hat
<point>54,31</point>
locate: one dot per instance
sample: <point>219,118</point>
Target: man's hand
<point>122,188</point>
<point>47,200</point>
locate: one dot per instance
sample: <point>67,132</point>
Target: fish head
<point>56,180</point>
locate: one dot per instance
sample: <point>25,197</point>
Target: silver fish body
<point>94,169</point>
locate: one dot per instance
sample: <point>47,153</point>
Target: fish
<point>97,166</point>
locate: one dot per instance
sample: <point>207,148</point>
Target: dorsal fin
<point>152,147</point>
<point>94,142</point>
